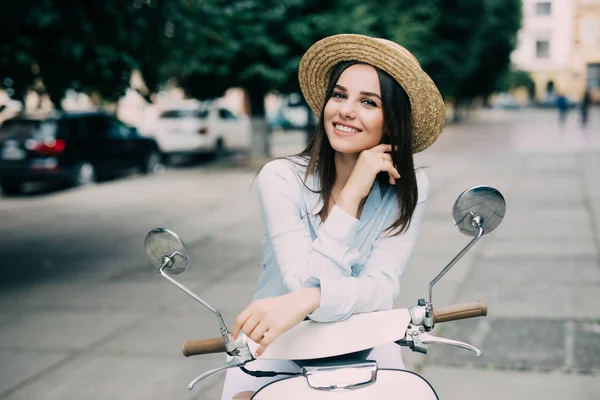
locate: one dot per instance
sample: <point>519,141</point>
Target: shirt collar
<point>314,203</point>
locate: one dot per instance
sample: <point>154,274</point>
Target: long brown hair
<point>397,132</point>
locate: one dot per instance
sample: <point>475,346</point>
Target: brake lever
<point>426,338</point>
<point>236,361</point>
<point>417,339</point>
<point>240,353</point>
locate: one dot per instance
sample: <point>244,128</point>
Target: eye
<point>338,95</point>
<point>369,102</point>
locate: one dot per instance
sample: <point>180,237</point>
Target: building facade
<point>559,44</point>
<point>586,47</point>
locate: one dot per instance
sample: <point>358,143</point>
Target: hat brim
<point>427,106</point>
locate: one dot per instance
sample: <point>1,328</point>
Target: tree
<point>258,46</point>
<point>442,34</point>
<point>89,46</point>
<point>497,41</point>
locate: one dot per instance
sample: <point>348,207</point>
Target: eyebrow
<point>363,93</point>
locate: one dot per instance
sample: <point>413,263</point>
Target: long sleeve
<point>327,261</point>
<point>379,282</point>
<point>302,262</point>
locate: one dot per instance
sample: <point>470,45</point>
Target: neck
<point>344,164</point>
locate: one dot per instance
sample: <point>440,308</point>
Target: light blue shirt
<point>356,264</point>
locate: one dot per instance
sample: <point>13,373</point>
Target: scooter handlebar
<point>442,314</point>
<point>460,311</point>
<point>205,346</point>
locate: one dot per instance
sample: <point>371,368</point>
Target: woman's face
<point>353,115</point>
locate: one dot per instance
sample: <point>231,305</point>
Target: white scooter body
<point>390,384</point>
<point>315,345</point>
<point>312,340</point>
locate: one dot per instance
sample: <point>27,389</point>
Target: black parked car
<point>71,148</point>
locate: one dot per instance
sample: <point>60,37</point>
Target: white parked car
<point>200,128</point>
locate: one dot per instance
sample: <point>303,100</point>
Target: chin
<point>346,147</point>
<point>349,145</point>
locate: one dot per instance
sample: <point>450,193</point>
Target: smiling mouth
<point>345,129</point>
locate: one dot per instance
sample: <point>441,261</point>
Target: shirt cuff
<point>329,309</point>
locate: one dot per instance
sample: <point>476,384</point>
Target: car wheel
<point>152,164</point>
<point>11,187</point>
<point>85,174</point>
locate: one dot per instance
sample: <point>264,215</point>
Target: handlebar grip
<point>460,311</point>
<point>205,346</point>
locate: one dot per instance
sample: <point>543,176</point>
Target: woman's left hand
<point>265,319</point>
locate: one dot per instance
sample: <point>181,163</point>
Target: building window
<point>543,8</point>
<point>593,76</point>
<point>588,31</point>
<point>542,49</point>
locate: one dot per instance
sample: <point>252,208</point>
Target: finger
<point>258,332</point>
<point>393,172</point>
<point>239,322</point>
<point>268,338</point>
<point>392,179</point>
<point>387,165</point>
<point>250,324</point>
<point>382,148</point>
<point>387,157</point>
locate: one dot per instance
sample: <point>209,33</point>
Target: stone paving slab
<point>18,364</point>
<point>523,344</point>
<point>65,330</point>
<point>107,296</point>
<point>470,384</point>
<point>537,221</point>
<point>536,288</point>
<point>114,378</point>
<point>552,248</point>
<point>162,335</point>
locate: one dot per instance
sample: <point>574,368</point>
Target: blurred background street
<point>84,315</point>
<point>117,117</point>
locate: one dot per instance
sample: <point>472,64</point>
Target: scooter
<point>332,356</point>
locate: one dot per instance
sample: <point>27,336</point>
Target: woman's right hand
<point>370,163</point>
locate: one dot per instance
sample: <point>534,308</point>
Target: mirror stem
<point>477,221</point>
<point>168,262</point>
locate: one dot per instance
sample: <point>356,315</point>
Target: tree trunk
<point>260,148</point>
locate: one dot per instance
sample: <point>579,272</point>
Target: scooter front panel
<point>390,384</point>
<point>312,340</point>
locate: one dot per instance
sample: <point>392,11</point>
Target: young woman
<point>341,218</point>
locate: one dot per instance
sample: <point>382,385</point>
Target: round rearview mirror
<point>163,245</point>
<point>484,202</point>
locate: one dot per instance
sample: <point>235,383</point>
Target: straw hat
<point>428,112</point>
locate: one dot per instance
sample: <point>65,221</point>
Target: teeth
<point>346,129</point>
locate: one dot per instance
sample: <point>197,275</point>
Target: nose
<point>347,110</point>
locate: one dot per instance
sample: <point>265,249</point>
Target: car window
<point>226,114</point>
<point>21,129</point>
<point>106,127</point>
<point>70,128</point>
<point>176,114</point>
<point>96,126</point>
<point>117,129</point>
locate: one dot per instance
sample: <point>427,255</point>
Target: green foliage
<point>494,45</point>
<point>444,35</point>
<point>516,78</point>
<point>265,41</point>
<point>211,45</point>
